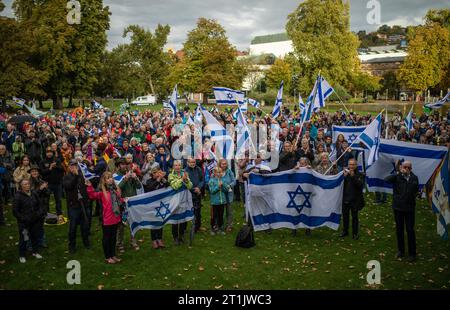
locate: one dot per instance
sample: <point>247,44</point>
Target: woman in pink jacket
<point>111,200</point>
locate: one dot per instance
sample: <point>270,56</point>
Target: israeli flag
<point>118,178</point>
<point>243,134</point>
<point>198,115</point>
<point>279,102</point>
<point>350,133</point>
<point>438,104</point>
<point>306,116</point>
<point>324,90</point>
<point>295,199</point>
<point>173,102</point>
<point>409,121</point>
<point>253,102</point>
<point>86,173</point>
<point>424,158</point>
<point>96,105</point>
<point>228,96</point>
<point>301,104</point>
<point>223,141</point>
<point>18,101</point>
<point>440,199</point>
<point>371,139</point>
<point>155,209</point>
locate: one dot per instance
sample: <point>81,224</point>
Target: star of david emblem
<point>230,96</point>
<point>163,210</point>
<point>352,138</point>
<point>299,192</point>
<point>377,140</point>
<point>394,170</point>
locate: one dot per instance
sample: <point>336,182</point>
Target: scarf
<point>115,200</point>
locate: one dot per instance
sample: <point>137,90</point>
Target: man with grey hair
<point>405,185</point>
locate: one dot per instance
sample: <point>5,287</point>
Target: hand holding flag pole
<point>346,150</point>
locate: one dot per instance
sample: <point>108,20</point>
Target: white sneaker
<point>22,260</point>
<point>37,255</point>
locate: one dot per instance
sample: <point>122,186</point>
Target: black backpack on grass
<point>245,237</point>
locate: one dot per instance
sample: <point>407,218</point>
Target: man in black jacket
<point>196,176</point>
<point>405,188</point>
<point>33,147</point>
<point>77,202</point>
<point>353,198</point>
<point>288,158</point>
<point>52,172</point>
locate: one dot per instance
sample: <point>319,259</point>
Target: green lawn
<point>279,260</point>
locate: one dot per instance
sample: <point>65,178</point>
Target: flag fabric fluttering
<point>409,124</point>
<point>371,138</point>
<point>278,102</point>
<point>243,134</point>
<point>223,141</point>
<point>438,194</point>
<point>118,178</point>
<point>324,90</point>
<point>96,105</point>
<point>228,96</point>
<point>294,199</point>
<point>438,104</point>
<point>155,209</point>
<point>173,102</point>
<point>86,173</point>
<point>253,102</point>
<point>306,116</point>
<point>301,104</point>
<point>19,102</point>
<point>198,115</point>
<point>424,158</point>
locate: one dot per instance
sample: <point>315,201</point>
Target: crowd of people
<point>42,159</point>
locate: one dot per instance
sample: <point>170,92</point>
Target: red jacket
<point>109,218</point>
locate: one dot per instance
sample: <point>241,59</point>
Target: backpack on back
<point>245,237</point>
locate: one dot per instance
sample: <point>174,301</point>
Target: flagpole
<point>343,153</point>
<point>342,102</point>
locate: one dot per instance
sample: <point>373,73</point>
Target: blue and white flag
<point>228,96</point>
<point>190,120</point>
<point>424,158</point>
<point>86,173</point>
<point>350,133</point>
<point>301,104</point>
<point>198,115</point>
<point>370,137</point>
<point>278,102</point>
<point>173,101</point>
<point>440,199</point>
<point>438,104</point>
<point>409,121</point>
<point>18,101</point>
<point>295,199</point>
<point>324,90</point>
<point>306,116</point>
<point>253,102</point>
<point>223,141</point>
<point>118,178</point>
<point>243,134</point>
<point>96,105</point>
<point>155,209</point>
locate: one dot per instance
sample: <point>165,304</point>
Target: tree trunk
<point>57,102</point>
<point>205,98</point>
<point>41,104</point>
<point>151,85</point>
<point>71,101</point>
<point>3,104</point>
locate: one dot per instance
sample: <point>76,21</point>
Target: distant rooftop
<point>270,38</point>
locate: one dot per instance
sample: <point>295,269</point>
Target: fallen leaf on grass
<point>201,268</point>
<point>218,287</point>
<point>100,286</point>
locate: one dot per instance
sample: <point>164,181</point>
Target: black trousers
<point>29,231</point>
<point>217,217</point>
<point>178,230</point>
<point>156,234</point>
<point>77,218</point>
<point>197,215</point>
<point>346,209</point>
<point>405,220</point>
<point>57,191</point>
<point>2,216</point>
<point>109,240</point>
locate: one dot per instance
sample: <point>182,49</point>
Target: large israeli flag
<point>228,96</point>
<point>350,133</point>
<point>278,102</point>
<point>295,199</point>
<point>223,141</point>
<point>438,104</point>
<point>155,209</point>
<point>370,137</point>
<point>424,158</point>
<point>306,116</point>
<point>173,101</point>
<point>324,90</point>
<point>440,199</point>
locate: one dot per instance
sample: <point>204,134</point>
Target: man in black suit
<point>353,198</point>
<point>405,188</point>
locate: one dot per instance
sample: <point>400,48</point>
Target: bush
<point>341,92</point>
<point>268,97</point>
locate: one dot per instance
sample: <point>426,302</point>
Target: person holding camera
<point>353,198</point>
<point>77,204</point>
<point>405,185</point>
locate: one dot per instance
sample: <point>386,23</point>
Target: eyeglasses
<point>407,167</point>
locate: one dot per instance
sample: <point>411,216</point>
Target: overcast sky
<point>243,19</point>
